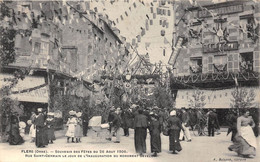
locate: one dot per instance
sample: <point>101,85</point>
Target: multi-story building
<point>61,44</point>
<point>217,49</point>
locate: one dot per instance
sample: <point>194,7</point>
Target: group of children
<point>74,126</point>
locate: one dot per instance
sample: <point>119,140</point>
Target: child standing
<point>78,129</point>
<point>50,127</point>
<point>72,122</point>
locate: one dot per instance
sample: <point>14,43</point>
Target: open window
<point>196,65</point>
<point>246,62</point>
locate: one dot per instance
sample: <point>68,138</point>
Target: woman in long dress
<point>155,131</point>
<point>175,127</point>
<point>72,122</point>
<point>14,135</point>
<point>245,143</point>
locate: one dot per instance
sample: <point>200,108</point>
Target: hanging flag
<point>142,32</point>
<point>133,42</point>
<point>151,9</point>
<point>169,12</point>
<point>134,5</point>
<point>164,52</point>
<point>151,3</point>
<point>146,24</point>
<point>121,17</point>
<point>126,14</point>
<point>160,22</point>
<point>147,45</point>
<point>138,38</point>
<point>158,11</point>
<point>154,15</point>
<point>130,8</point>
<point>117,20</point>
<point>165,41</point>
<point>151,22</point>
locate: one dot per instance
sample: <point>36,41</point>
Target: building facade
<point>216,51</point>
<point>65,47</point>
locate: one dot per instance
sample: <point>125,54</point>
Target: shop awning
<point>30,89</point>
<point>218,99</point>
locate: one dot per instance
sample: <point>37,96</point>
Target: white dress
<point>72,122</point>
<point>32,132</point>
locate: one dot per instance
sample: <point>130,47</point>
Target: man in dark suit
<point>140,126</point>
<point>212,122</point>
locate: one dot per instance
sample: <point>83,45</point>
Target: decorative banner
<point>176,51</point>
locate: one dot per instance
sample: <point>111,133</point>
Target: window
<point>210,64</point>
<point>246,62</point>
<point>220,63</point>
<point>257,61</point>
<point>45,48</point>
<point>196,65</point>
<point>37,47</point>
<point>233,62</point>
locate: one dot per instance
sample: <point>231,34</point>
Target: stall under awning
<point>30,89</point>
<point>218,99</point>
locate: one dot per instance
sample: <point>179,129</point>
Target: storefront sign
<point>220,11</point>
<point>219,47</point>
<point>176,51</point>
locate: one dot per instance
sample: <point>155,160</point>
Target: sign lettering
<point>218,47</point>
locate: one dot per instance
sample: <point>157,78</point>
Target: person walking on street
<point>185,124</point>
<point>50,127</point>
<point>111,116</point>
<point>174,124</point>
<point>212,123</point>
<point>155,128</point>
<point>116,123</point>
<point>245,144</point>
<point>140,127</point>
<point>126,117</point>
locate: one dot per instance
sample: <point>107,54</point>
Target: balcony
<point>216,80</point>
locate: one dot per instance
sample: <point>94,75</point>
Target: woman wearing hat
<point>40,129</point>
<point>155,130</point>
<point>72,122</point>
<point>78,129</point>
<point>174,124</point>
<point>50,127</point>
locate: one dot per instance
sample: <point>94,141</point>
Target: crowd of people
<point>175,123</point>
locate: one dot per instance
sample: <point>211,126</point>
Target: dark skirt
<point>155,141</point>
<point>14,136</point>
<point>174,140</point>
<point>140,137</point>
<point>241,147</point>
<point>50,133</point>
<point>41,137</point>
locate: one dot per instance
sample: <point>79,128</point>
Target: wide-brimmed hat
<point>72,112</point>
<point>39,109</point>
<point>172,113</point>
<point>50,114</point>
<point>79,114</point>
